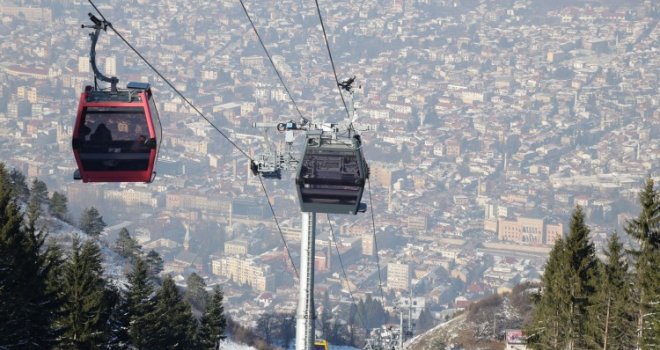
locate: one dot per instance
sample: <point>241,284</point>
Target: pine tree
<point>549,320</point>
<point>267,327</point>
<point>154,262</point>
<point>196,293</point>
<point>28,307</point>
<point>140,306</point>
<point>91,222</point>
<point>372,312</point>
<point>335,332</point>
<point>125,245</point>
<point>362,313</point>
<point>118,320</point>
<point>288,329</point>
<point>38,193</point>
<point>32,215</point>
<point>55,257</point>
<point>562,317</point>
<point>213,323</point>
<point>58,206</point>
<point>582,279</point>
<point>86,307</point>
<point>425,321</point>
<point>352,323</point>
<point>646,231</point>
<point>175,326</point>
<point>376,313</point>
<point>19,185</point>
<point>613,312</point>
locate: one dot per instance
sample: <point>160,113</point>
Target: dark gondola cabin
<point>115,137</point>
<point>332,175</point>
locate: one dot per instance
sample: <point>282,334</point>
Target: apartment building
<point>398,276</point>
<point>244,271</point>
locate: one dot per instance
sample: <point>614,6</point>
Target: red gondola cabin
<point>115,137</point>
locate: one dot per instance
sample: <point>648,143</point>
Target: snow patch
<point>229,345</point>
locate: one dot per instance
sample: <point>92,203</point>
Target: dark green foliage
<point>588,304</point>
<point>196,293</point>
<point>288,329</point>
<point>140,306</point>
<point>35,202</point>
<point>86,306</point>
<point>47,301</point>
<point>353,323</point>
<point>267,326</point>
<point>582,279</point>
<point>548,325</point>
<point>645,229</point>
<point>55,257</point>
<point>613,313</point>
<point>372,312</point>
<point>118,321</point>
<point>125,245</point>
<point>425,321</point>
<point>27,306</point>
<point>569,290</point>
<point>38,193</point>
<point>274,328</point>
<point>154,262</point>
<point>174,325</point>
<point>335,332</point>
<point>91,222</point>
<point>58,206</point>
<point>213,323</point>
<point>31,217</point>
<point>19,185</point>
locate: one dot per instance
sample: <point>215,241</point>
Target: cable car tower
<point>330,178</point>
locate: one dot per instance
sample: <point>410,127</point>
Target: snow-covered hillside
<point>113,264</point>
<point>431,339</point>
<point>62,233</point>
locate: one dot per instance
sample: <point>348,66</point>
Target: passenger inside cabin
<point>102,135</point>
<point>84,132</point>
<point>139,144</point>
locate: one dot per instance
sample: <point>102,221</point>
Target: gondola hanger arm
<point>98,26</point>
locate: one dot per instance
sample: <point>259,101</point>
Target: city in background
<point>490,122</point>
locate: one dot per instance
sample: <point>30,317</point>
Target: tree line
<point>56,298</point>
<point>586,303</point>
<point>342,325</point>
